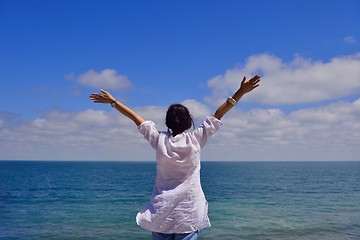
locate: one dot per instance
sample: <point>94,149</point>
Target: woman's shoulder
<point>210,122</point>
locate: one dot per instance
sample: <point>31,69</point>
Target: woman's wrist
<point>113,102</point>
<point>231,101</point>
<point>237,96</point>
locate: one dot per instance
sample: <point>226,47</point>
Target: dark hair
<point>178,118</point>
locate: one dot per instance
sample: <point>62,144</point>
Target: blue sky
<point>150,54</point>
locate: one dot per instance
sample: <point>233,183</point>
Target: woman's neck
<point>174,133</point>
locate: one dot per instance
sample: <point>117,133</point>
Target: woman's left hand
<point>251,84</point>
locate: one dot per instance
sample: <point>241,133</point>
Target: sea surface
<point>247,200</point>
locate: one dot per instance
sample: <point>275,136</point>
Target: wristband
<point>231,100</point>
<point>113,103</point>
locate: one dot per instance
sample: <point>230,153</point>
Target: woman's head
<point>178,118</point>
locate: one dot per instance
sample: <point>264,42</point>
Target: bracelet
<point>231,100</point>
<point>113,103</point>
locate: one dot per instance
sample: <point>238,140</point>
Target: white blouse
<point>178,203</point>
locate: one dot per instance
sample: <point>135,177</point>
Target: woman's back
<point>177,192</point>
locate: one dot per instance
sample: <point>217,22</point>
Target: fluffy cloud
<point>327,132</point>
<point>330,132</point>
<point>197,110</point>
<point>107,78</point>
<point>295,82</point>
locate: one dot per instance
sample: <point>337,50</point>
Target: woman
<point>178,208</point>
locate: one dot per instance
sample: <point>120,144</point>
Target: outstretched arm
<point>106,97</point>
<point>245,87</point>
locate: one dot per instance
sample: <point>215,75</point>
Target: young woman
<point>178,208</point>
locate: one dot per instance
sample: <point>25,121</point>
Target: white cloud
<point>298,81</point>
<point>107,78</point>
<point>197,110</point>
<point>92,117</point>
<point>330,132</point>
<point>350,40</point>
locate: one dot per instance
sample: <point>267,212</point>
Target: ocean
<point>247,200</point>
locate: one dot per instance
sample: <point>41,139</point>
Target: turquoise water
<point>99,200</point>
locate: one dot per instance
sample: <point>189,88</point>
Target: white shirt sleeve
<point>206,130</point>
<point>150,133</point>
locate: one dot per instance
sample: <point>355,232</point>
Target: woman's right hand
<point>104,97</point>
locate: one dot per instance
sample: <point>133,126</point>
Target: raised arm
<point>245,87</point>
<point>106,97</point>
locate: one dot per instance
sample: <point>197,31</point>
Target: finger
<point>255,77</point>
<point>103,91</point>
<point>244,79</point>
<point>256,81</point>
